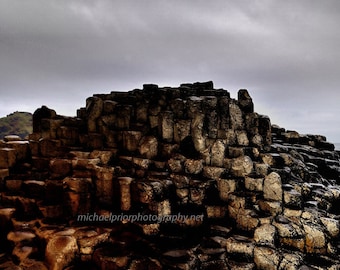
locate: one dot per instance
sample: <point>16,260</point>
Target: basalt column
<point>180,177</point>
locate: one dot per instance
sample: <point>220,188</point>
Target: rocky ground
<point>263,197</point>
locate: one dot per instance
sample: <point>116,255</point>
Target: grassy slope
<point>17,123</point>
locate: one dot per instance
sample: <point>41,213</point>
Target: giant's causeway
<point>214,185</point>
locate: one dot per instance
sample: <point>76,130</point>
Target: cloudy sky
<point>286,53</point>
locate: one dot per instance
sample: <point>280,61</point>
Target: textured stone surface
<point>60,251</point>
<point>272,187</point>
<point>168,178</point>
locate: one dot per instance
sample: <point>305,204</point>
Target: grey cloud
<point>285,52</point>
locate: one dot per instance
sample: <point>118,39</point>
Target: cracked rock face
<point>168,178</point>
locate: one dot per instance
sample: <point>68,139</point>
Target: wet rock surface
<point>168,178</point>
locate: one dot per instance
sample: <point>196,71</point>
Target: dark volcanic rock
<point>168,178</point>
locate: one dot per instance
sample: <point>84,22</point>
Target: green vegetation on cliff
<point>17,123</point>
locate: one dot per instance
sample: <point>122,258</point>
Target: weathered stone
<point>7,158</point>
<point>271,207</point>
<point>21,238</point>
<point>183,194</point>
<point>194,105</point>
<point>241,247</point>
<point>257,141</point>
<point>148,147</point>
<point>50,148</point>
<point>149,191</point>
<point>245,101</point>
<point>292,198</point>
<point>197,131</point>
<point>265,235</point>
<point>266,258</point>
<point>104,156</point>
<point>168,150</point>
<point>223,106</point>
<point>315,238</point>
<point>242,166</point>
<point>242,138</point>
<point>209,108</point>
<point>268,159</point>
<point>217,153</point>
<point>77,203</point>
<point>40,114</point>
<point>69,135</point>
<point>166,126</point>
<point>124,113</point>
<point>88,239</point>
<point>109,106</point>
<point>292,213</point>
<point>153,120</point>
<point>13,185</point>
<point>106,122</point>
<point>265,129</point>
<point>21,252</point>
<point>175,163</point>
<point>162,208</point>
<point>216,211</point>
<point>95,141</point>
<point>291,261</point>
<point>247,219</point>
<point>272,187</point>
<point>22,149</point>
<point>104,184</point>
<point>229,137</point>
<point>213,172</point>
<point>193,166</point>
<point>60,168</point>
<point>332,226</point>
<point>236,202</point>
<point>125,193</point>
<point>225,187</point>
<point>290,234</point>
<point>94,108</point>
<point>236,120</point>
<point>182,129</point>
<point>234,152</point>
<point>261,169</point>
<point>61,251</point>
<point>180,181</point>
<point>131,140</point>
<point>141,163</point>
<point>253,184</point>
<point>252,124</point>
<point>178,106</point>
<point>197,191</point>
<point>78,185</point>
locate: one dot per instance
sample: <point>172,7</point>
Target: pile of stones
<point>168,178</point>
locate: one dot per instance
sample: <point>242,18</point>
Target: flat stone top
<point>10,138</point>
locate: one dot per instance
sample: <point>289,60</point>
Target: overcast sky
<point>286,53</point>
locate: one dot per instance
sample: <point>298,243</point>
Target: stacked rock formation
<point>168,178</point>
